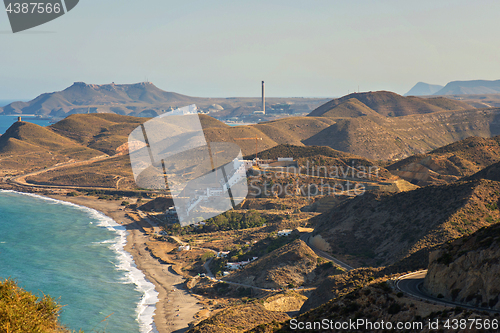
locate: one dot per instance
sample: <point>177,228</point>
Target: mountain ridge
<point>385,103</point>
<point>471,87</point>
<point>423,89</point>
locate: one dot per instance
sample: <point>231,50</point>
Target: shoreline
<point>176,307</point>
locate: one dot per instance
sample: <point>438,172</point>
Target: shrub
<point>394,308</point>
<point>207,255</point>
<point>21,311</point>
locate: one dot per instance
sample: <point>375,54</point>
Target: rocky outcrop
<point>467,270</point>
<point>285,302</point>
<point>378,229</point>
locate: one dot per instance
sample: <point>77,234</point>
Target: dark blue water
<point>7,121</point>
<point>75,254</point>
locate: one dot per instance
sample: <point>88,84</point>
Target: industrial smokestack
<point>263,97</point>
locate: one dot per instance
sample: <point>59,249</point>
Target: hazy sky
<point>225,48</point>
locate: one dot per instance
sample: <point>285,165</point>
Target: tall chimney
<point>263,97</point>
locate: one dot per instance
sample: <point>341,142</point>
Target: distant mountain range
<point>146,100</point>
<point>474,87</point>
<point>375,125</point>
<point>91,98</point>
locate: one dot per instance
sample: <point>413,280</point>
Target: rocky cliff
<point>467,270</point>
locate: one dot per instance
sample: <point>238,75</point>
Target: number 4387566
<point>33,7</point>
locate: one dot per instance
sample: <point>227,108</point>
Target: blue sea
<point>7,121</point>
<point>75,254</point>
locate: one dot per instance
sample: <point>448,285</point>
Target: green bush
<point>207,255</point>
<point>21,311</point>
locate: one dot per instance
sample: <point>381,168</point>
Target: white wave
<point>147,305</point>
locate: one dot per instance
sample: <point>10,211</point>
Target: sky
<point>320,48</point>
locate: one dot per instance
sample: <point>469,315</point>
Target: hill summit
<point>477,87</point>
<point>384,103</point>
<point>92,98</point>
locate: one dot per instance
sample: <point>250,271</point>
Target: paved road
<point>411,284</point>
<point>324,255</point>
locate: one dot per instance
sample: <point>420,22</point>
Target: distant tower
<point>19,119</point>
<point>263,97</point>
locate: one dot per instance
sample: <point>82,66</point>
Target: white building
<point>184,248</point>
<point>285,232</point>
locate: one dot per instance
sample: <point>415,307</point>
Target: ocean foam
<point>147,305</point>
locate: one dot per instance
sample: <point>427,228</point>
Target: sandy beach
<point>176,307</point>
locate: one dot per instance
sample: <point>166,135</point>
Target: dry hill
<point>238,318</point>
<point>291,265</point>
<point>492,173</point>
<point>384,103</point>
<point>375,229</point>
<point>466,270</point>
<point>399,137</point>
<point>449,163</point>
<point>374,304</point>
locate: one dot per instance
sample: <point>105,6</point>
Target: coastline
<point>168,284</point>
<point>176,307</point>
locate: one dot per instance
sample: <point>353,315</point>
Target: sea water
<point>74,254</point>
<point>7,120</point>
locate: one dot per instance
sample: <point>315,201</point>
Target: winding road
<point>412,283</point>
<point>305,238</point>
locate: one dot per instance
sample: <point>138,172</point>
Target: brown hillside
<point>449,163</point>
<point>365,136</point>
<point>291,265</point>
<point>386,104</point>
<point>35,135</point>
<point>379,303</point>
<point>492,173</point>
<point>40,142</point>
<point>208,122</point>
<point>350,109</point>
<point>111,173</point>
<point>339,285</point>
<point>284,131</point>
<point>320,157</point>
<point>466,270</point>
<point>287,150</point>
<point>400,137</point>
<point>238,318</point>
<point>293,130</point>
<point>379,229</point>
<point>104,132</point>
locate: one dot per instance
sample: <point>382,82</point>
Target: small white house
<point>222,254</point>
<point>285,232</point>
<point>184,248</point>
<point>233,266</point>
